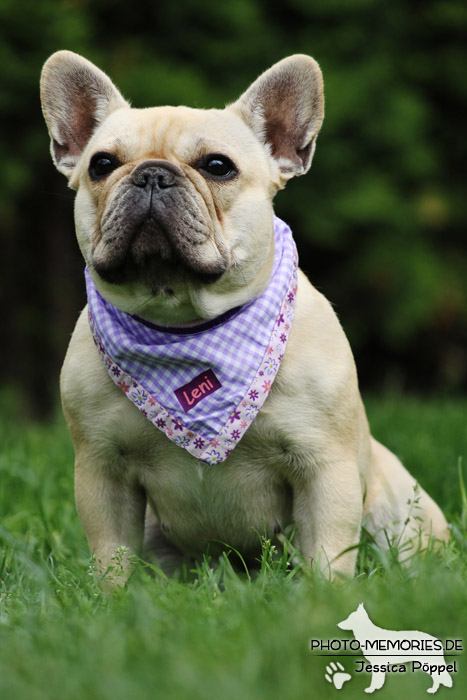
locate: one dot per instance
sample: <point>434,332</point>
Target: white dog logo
<point>371,638</point>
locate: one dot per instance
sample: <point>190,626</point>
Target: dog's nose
<point>154,177</point>
<point>156,174</point>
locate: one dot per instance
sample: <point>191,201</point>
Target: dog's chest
<point>236,502</point>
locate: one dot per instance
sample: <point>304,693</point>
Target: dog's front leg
<point>327,515</point>
<point>377,681</point>
<point>111,509</point>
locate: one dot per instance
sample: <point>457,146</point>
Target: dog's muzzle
<point>156,221</point>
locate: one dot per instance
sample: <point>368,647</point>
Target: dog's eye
<point>218,167</point>
<point>101,165</point>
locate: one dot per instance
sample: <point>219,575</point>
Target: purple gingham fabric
<point>242,350</point>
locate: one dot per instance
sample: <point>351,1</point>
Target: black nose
<point>156,174</point>
<point>154,177</point>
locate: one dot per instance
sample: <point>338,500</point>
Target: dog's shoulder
<point>89,397</point>
<point>315,400</point>
<point>82,366</point>
<point>318,356</point>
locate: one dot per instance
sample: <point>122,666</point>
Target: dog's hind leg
<point>396,506</point>
<point>440,679</point>
<point>377,681</point>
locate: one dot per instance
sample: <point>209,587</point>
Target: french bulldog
<point>175,221</point>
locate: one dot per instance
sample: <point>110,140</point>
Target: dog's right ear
<point>76,98</point>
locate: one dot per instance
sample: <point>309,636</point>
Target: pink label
<point>195,391</point>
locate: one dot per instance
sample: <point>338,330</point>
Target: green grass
<point>215,634</point>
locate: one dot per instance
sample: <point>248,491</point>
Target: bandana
<point>202,386</point>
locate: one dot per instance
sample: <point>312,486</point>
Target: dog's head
<point>173,208</point>
<point>355,619</point>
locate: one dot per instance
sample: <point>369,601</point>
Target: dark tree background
<point>379,220</point>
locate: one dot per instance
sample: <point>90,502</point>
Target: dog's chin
<point>157,276</point>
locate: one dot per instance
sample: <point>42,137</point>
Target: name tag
<point>195,391</point>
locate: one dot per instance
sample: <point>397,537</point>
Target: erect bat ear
<point>76,98</point>
<point>284,107</point>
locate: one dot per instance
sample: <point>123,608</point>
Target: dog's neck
<point>188,305</point>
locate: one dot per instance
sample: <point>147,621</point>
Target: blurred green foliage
<point>380,220</point>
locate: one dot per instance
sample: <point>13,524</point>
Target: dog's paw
<point>336,675</point>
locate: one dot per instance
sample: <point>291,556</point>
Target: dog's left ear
<point>284,107</point>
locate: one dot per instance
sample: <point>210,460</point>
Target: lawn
<point>213,633</point>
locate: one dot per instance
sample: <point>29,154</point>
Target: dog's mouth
<point>155,229</point>
<point>147,254</point>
